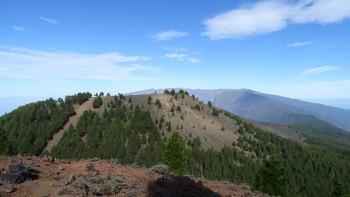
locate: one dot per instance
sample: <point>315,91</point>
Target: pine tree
<point>175,153</point>
<point>271,177</point>
<point>97,102</point>
<point>158,103</point>
<point>210,105</point>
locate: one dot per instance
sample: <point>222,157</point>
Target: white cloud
<point>179,56</point>
<point>49,20</point>
<point>24,63</point>
<point>19,28</point>
<point>169,35</point>
<point>273,15</point>
<point>264,17</point>
<point>182,57</point>
<point>321,11</point>
<point>299,44</point>
<point>193,60</point>
<point>138,67</point>
<point>319,70</point>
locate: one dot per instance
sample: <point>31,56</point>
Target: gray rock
<point>12,178</point>
<point>56,184</point>
<point>130,193</point>
<point>18,167</point>
<point>7,188</point>
<point>63,191</point>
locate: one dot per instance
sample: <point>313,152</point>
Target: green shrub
<point>215,112</point>
<point>160,169</point>
<point>90,166</point>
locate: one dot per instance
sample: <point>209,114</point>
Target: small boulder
<point>63,191</point>
<point>11,178</point>
<point>17,167</point>
<point>56,184</point>
<point>7,188</point>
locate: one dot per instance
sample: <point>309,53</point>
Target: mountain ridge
<point>293,106</point>
<point>135,130</point>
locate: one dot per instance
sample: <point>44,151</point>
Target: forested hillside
<point>28,128</point>
<point>129,135</point>
<point>126,131</point>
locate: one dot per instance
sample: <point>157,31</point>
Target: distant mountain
<point>320,123</point>
<point>150,129</point>
<point>271,108</point>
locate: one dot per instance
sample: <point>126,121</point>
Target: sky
<point>296,48</point>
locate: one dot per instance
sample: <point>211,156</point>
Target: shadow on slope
<point>172,186</point>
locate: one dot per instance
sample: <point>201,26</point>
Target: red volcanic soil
<point>54,180</point>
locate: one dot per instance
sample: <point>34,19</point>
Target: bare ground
<point>73,120</point>
<point>195,123</point>
<point>282,131</point>
<point>139,180</point>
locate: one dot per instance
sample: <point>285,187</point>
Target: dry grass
<point>189,122</point>
<point>194,123</point>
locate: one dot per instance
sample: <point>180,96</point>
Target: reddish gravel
<point>140,181</point>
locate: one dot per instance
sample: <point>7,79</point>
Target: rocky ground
<point>100,177</point>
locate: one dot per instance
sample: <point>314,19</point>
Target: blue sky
<point>298,48</point>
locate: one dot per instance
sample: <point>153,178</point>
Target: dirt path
<point>73,120</point>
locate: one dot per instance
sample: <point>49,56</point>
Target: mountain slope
<point>307,118</point>
<point>337,116</point>
<point>131,130</point>
<point>73,120</point>
<point>270,108</point>
<point>189,121</point>
<point>280,130</point>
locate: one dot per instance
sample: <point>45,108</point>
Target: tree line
<point>263,160</point>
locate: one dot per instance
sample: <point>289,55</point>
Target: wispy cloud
<point>193,60</point>
<point>24,63</point>
<point>49,20</point>
<point>299,44</point>
<point>265,17</point>
<point>169,35</point>
<point>179,56</point>
<point>182,57</point>
<point>19,28</point>
<point>319,70</point>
